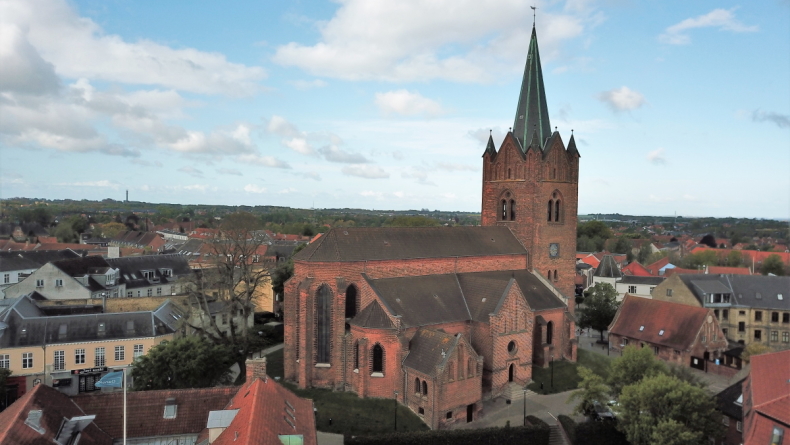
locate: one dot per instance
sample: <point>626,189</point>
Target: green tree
<point>591,389</point>
<point>284,271</point>
<point>735,258</point>
<point>755,349</point>
<point>623,245</point>
<point>700,259</point>
<point>644,253</point>
<point>631,367</point>
<point>599,308</point>
<point>773,264</point>
<point>65,234</point>
<point>594,229</point>
<point>4,374</point>
<point>662,410</point>
<point>112,229</point>
<point>187,362</point>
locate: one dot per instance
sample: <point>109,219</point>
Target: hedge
<point>533,435</point>
<point>535,421</point>
<point>569,425</point>
<point>599,433</point>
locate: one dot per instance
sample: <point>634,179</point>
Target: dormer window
<point>149,274</point>
<point>641,328</point>
<point>62,331</point>
<point>102,327</point>
<point>166,272</point>
<point>171,409</point>
<point>661,332</point>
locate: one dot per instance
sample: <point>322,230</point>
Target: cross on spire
<point>534,11</point>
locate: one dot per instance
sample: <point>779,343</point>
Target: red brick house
<point>437,317</point>
<point>766,400</point>
<point>677,333</point>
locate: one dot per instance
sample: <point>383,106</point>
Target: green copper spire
<point>532,113</point>
<point>490,148</point>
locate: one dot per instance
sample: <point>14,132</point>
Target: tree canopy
<point>187,362</point>
<point>633,365</point>
<point>773,264</point>
<point>599,308</point>
<point>663,410</point>
<point>591,389</point>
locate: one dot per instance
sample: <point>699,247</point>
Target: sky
<point>677,107</point>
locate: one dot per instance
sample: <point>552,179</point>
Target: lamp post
<point>552,371</point>
<point>525,406</point>
<point>396,410</point>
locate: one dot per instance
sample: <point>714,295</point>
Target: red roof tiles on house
<point>655,267</point>
<point>644,319</point>
<point>747,255</point>
<point>54,407</point>
<point>729,270</point>
<point>770,395</point>
<point>636,269</point>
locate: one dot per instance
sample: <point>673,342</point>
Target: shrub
<point>599,433</point>
<point>533,435</point>
<point>569,425</point>
<point>536,422</point>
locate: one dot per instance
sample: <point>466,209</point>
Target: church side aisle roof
<point>426,348</point>
<point>401,243</point>
<point>373,316</point>
<point>435,299</point>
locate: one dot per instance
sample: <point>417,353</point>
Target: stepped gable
<point>373,316</point>
<point>429,350</point>
<point>403,243</point>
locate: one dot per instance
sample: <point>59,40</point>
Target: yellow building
<point>72,352</point>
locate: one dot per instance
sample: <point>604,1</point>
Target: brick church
<point>441,318</point>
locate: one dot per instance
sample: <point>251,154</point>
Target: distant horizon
<point>420,209</point>
<point>675,106</point>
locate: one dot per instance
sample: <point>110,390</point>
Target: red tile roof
<point>145,410</point>
<point>591,260</point>
<point>655,267</point>
<point>680,322</point>
<point>770,391</point>
<point>729,270</point>
<point>55,406</point>
<point>264,415</point>
<point>747,255</point>
<point>669,272</point>
<point>636,269</point>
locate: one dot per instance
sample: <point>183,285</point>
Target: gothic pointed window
<point>508,173</point>
<point>450,371</point>
<point>549,332</point>
<point>555,274</point>
<point>551,206</point>
<point>512,209</point>
<point>424,388</point>
<point>557,211</point>
<point>504,210</point>
<point>548,274</point>
<point>378,358</point>
<point>470,368</point>
<point>417,386</point>
<point>324,324</point>
<point>351,301</point>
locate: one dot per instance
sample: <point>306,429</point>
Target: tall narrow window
<point>424,388</point>
<point>504,210</point>
<point>512,209</point>
<point>508,173</point>
<point>417,386</point>
<point>551,205</point>
<point>549,332</point>
<point>356,355</point>
<point>351,301</point>
<point>378,358</point>
<point>60,360</point>
<point>451,371</point>
<point>470,368</point>
<point>323,309</point>
<point>557,211</point>
<point>98,357</point>
<point>555,274</point>
<point>548,274</point>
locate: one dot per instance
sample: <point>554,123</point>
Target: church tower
<point>531,184</point>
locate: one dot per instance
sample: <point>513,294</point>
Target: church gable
<point>373,317</point>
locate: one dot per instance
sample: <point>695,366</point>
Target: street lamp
<point>396,410</point>
<point>552,371</point>
<point>525,406</point>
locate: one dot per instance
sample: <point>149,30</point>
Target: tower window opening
<point>551,205</point>
<point>512,209</point>
<point>378,358</point>
<point>508,173</point>
<point>548,274</point>
<point>557,211</point>
<point>504,210</point>
<point>324,316</point>
<point>555,274</point>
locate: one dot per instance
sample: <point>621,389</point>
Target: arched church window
<point>554,173</point>
<point>551,206</point>
<point>417,386</point>
<point>451,371</point>
<point>324,325</point>
<point>378,358</point>
<point>512,209</point>
<point>555,274</point>
<point>470,368</point>
<point>424,388</point>
<point>503,215</point>
<point>548,274</point>
<point>356,354</point>
<point>549,332</point>
<point>351,301</point>
<point>557,211</point>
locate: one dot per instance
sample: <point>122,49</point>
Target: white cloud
<point>406,103</point>
<point>414,40</point>
<point>78,47</point>
<point>281,127</point>
<point>657,156</point>
<point>310,175</point>
<point>308,84</point>
<point>482,134</point>
<point>266,161</point>
<point>333,154</point>
<point>252,188</point>
<point>229,171</point>
<point>364,171</point>
<point>781,120</point>
<point>299,145</point>
<point>622,99</point>
<point>103,183</point>
<point>191,171</point>
<point>455,167</point>
<point>723,19</point>
<point>24,70</point>
<point>420,174</point>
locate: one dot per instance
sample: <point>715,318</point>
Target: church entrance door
<point>510,373</point>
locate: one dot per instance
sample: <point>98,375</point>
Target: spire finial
<point>571,130</point>
<point>490,132</point>
<point>534,10</point>
<point>509,129</point>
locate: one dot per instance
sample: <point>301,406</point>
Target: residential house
<point>636,269</point>
<point>688,336</point>
<point>753,258</point>
<point>660,266</point>
<point>76,278</point>
<point>45,416</point>
<point>766,400</point>
<point>636,245</point>
<point>72,352</point>
<point>584,276</point>
<point>637,286</point>
<point>751,308</point>
<point>153,275</point>
<point>15,266</point>
<point>607,271</point>
<point>730,403</point>
<point>150,241</point>
<point>172,235</point>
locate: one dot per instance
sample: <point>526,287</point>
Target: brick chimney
<point>256,368</point>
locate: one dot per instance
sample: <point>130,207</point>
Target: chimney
<point>256,368</point>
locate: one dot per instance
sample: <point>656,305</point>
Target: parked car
<point>602,413</point>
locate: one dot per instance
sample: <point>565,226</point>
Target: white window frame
<point>60,360</point>
<point>6,278</point>
<point>27,360</point>
<point>79,356</point>
<point>120,353</point>
<point>150,292</point>
<point>5,361</point>
<point>39,283</point>
<point>99,357</point>
<point>129,294</point>
<point>158,291</point>
<point>631,289</point>
<point>138,351</point>
<point>58,282</point>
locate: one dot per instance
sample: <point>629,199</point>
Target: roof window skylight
<point>661,332</point>
<point>641,328</point>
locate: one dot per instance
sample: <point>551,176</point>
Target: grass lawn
<point>348,413</point>
<point>565,375</point>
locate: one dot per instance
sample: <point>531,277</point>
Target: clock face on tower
<point>554,250</point>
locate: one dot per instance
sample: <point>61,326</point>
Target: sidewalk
<point>496,412</point>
